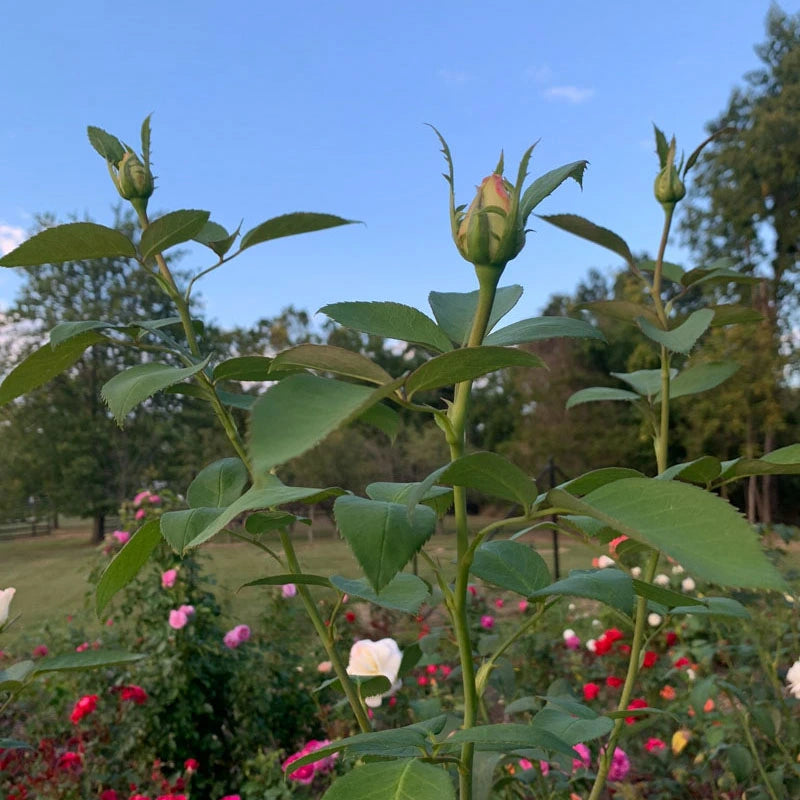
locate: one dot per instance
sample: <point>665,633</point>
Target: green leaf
<point>511,565</point>
<point>367,685</point>
<point>390,320</point>
<point>740,762</point>
<point>466,364</point>
<point>108,146</point>
<point>14,744</point>
<point>716,275</point>
<point>701,378</point>
<point>332,359</point>
<point>301,578</point>
<point>699,530</point>
<point>546,184</point>
<point>454,311</point>
<point>243,368</point>
<point>403,593</point>
<point>785,461</point>
<point>291,225</point>
<point>383,418</point>
<point>506,737</point>
<point>537,328</point>
<point>672,272</point>
<point>393,780</point>
<point>219,484</point>
<point>179,528</point>
<point>266,521</point>
<point>243,401</point>
<point>593,233</point>
<point>683,338</point>
<point>216,238</point>
<point>571,729</point>
<point>662,148</point>
<point>89,659</point>
<point>646,382</point>
<point>126,564</point>
<point>171,229</point>
<point>715,607</point>
<point>568,704</point>
<point>487,472</point>
<point>145,132</point>
<point>75,241</point>
<point>599,393</point>
<point>438,498</point>
<point>596,478</point>
<point>664,597</point>
<point>44,364</point>
<point>300,411</point>
<point>610,586</point>
<point>13,678</point>
<point>383,536</point>
<point>259,498</point>
<point>67,330</point>
<point>701,471</point>
<point>620,310</point>
<point>134,385</point>
<point>732,314</point>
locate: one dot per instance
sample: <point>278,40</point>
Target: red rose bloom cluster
<point>605,642</point>
<point>83,707</point>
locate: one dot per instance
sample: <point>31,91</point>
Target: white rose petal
<point>793,679</point>
<point>605,561</point>
<point>591,645</point>
<point>677,570</point>
<point>688,585</point>
<point>6,596</point>
<point>370,659</point>
<point>661,579</point>
<point>636,572</point>
<point>690,674</point>
<point>654,620</point>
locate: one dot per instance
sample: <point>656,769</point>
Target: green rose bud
<point>489,233</point>
<point>134,179</point>
<point>668,187</point>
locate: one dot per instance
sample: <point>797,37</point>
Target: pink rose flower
<point>288,590</point>
<point>525,764</point>
<point>137,501</point>
<point>154,499</point>
<point>585,757</point>
<point>487,621</point>
<point>177,619</point>
<point>81,647</point>
<point>40,650</point>
<point>499,602</point>
<point>522,605</point>
<point>544,766</point>
<point>121,537</point>
<point>305,774</point>
<point>188,610</point>
<point>231,797</point>
<point>234,637</point>
<point>620,765</point>
<point>191,764</point>
<point>140,514</point>
<point>168,578</point>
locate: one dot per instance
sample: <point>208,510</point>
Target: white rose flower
<point>370,659</point>
<point>568,633</point>
<point>793,679</point>
<point>661,579</point>
<point>688,585</point>
<point>636,572</point>
<point>677,570</point>
<point>788,598</point>
<point>6,595</point>
<point>690,674</point>
<point>591,645</point>
<point>654,620</point>
<point>605,561</point>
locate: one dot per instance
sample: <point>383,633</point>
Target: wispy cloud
<point>451,77</point>
<point>540,74</point>
<point>10,237</point>
<point>572,94</point>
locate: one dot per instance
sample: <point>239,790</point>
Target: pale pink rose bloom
<point>236,636</point>
<point>121,536</point>
<point>81,647</point>
<point>6,596</point>
<point>188,610</point>
<point>154,499</point>
<point>544,766</point>
<point>573,643</point>
<point>288,590</point>
<point>140,514</point>
<point>370,659</point>
<point>168,578</point>
<point>324,666</point>
<point>585,757</point>
<point>177,619</point>
<point>137,501</point>
<point>620,765</point>
<point>525,764</point>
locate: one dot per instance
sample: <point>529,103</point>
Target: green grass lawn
<point>50,572</point>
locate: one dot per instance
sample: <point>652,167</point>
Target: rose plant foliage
<point>675,513</point>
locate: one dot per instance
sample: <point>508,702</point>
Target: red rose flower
<point>613,682</point>
<point>590,691</point>
<point>638,702</point>
<point>650,658</point>
<point>83,707</point>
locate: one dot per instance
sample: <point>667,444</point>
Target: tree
<point>61,440</point>
<point>744,204</point>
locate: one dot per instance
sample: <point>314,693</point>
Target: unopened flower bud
<point>669,188</point>
<point>489,233</point>
<point>134,179</point>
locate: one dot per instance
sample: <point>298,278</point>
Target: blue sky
<point>261,108</point>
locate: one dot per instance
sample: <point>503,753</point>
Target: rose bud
<point>668,187</point>
<point>134,179</point>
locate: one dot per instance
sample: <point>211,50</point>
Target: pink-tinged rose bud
<point>522,605</point>
<point>487,621</point>
<point>191,765</point>
<point>177,619</point>
<point>288,590</point>
<point>6,596</point>
<point>168,578</point>
<point>121,536</point>
<point>139,514</point>
<point>154,499</point>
